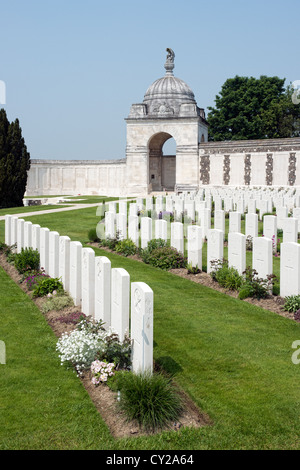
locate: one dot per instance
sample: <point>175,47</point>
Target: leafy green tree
<point>14,163</point>
<point>250,108</point>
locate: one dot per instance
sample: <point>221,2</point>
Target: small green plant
<point>258,288</point>
<point>166,258</point>
<point>27,259</point>
<point>292,303</point>
<point>225,275</point>
<point>126,247</point>
<point>193,269</point>
<point>57,302</point>
<point>92,235</point>
<point>46,286</point>
<point>233,280</point>
<point>116,351</point>
<point>150,399</point>
<point>110,242</point>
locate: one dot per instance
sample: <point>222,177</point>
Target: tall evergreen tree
<point>14,163</point>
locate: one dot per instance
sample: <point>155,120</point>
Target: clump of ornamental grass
<point>149,399</point>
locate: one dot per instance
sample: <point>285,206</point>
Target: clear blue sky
<point>73,68</point>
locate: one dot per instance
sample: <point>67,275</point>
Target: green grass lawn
<point>232,358</point>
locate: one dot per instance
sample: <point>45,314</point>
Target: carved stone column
<point>226,169</point>
<point>292,168</point>
<point>247,169</point>
<point>205,169</point>
<point>269,169</point>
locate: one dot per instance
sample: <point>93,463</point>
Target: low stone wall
<point>269,162</point>
<point>73,177</point>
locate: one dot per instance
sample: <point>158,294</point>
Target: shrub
<point>292,303</point>
<point>150,399</point>
<point>244,292</point>
<point>32,277</point>
<point>226,276</point>
<point>167,258</point>
<point>233,280</point>
<point>156,243</point>
<point>46,285</point>
<point>57,302</point>
<point>92,235</point>
<point>110,242</point>
<point>126,247</point>
<point>80,347</point>
<point>116,351</point>
<point>259,288</point>
<point>28,259</point>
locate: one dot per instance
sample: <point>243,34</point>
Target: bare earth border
<point>104,399</point>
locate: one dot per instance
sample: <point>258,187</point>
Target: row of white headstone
<point>99,290</point>
<point>262,251</point>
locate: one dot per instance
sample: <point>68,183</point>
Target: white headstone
<point>36,237</point>
<point>27,234</point>
<point>133,229</point>
<point>215,247</point>
<point>123,207</point>
<point>282,213</point>
<point>8,220</point>
<point>20,235</point>
<point>237,251</point>
<point>235,222</point>
<point>88,281</point>
<point>120,286</point>
<point>289,269</point>
<point>161,229</point>
<point>103,290</point>
<point>53,254</point>
<point>110,228</point>
<point>262,256</point>
<point>270,228</point>
<point>44,249</point>
<point>142,327</point>
<point>146,231</point>
<point>251,224</point>
<point>194,247</point>
<point>177,240</point>
<point>75,272</point>
<point>121,225</point>
<point>290,229</point>
<point>64,261</point>
<point>219,220</point>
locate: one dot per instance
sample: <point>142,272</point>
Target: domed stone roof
<point>168,93</point>
<point>167,97</point>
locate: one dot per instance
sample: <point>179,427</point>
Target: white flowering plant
<point>101,371</point>
<point>91,343</point>
<point>79,348</point>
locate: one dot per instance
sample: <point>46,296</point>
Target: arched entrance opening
<point>162,162</point>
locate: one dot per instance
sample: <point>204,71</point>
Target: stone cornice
<point>251,146</point>
<point>76,162</point>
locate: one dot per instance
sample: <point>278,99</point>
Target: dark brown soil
<point>103,398</point>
